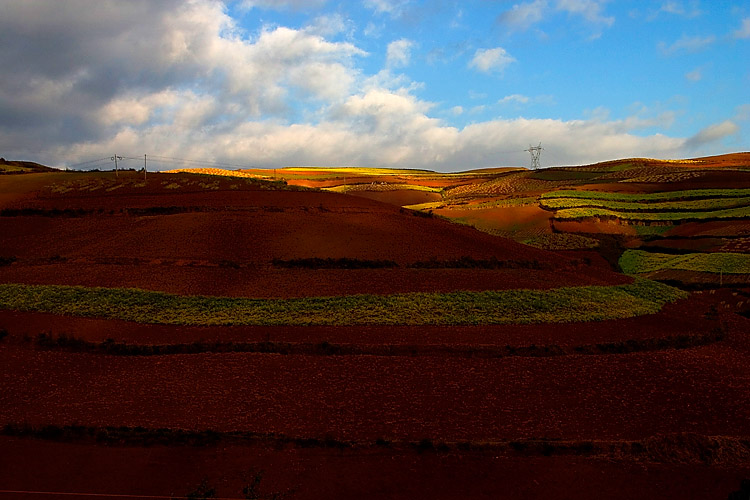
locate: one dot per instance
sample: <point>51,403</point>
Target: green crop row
<point>571,304</point>
<point>582,213</point>
<point>635,206</point>
<point>639,261</point>
<point>648,197</point>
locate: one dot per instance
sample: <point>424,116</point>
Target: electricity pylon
<point>535,151</point>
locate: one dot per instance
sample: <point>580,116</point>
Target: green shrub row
<point>640,261</point>
<point>583,213</point>
<point>709,204</point>
<point>572,304</point>
<point>648,197</point>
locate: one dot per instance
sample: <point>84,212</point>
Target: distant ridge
<point>22,167</point>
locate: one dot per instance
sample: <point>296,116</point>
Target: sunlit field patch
<point>639,261</point>
<point>649,197</point>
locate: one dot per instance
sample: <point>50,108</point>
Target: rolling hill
<point>319,327</point>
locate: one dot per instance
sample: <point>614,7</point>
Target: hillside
<point>235,327</point>
<point>677,207</point>
<point>186,233</point>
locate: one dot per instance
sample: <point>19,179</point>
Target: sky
<point>432,84</point>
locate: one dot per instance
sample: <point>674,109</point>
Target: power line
<point>88,162</point>
<point>205,162</point>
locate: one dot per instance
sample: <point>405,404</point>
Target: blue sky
<point>439,84</point>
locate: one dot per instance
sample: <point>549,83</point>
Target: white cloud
<point>591,10</point>
<point>712,133</point>
<point>392,7</point>
<point>742,112</point>
<point>489,60</point>
<point>514,98</point>
<point>689,44</point>
<point>744,30</point>
<point>176,78</point>
<point>284,4</point>
<point>677,8</point>
<point>329,25</point>
<point>524,15</point>
<point>694,76</point>
<point>399,53</point>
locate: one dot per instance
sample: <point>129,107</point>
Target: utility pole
<point>144,166</point>
<point>114,159</point>
<point>535,151</point>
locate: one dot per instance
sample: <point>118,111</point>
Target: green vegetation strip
<point>647,197</point>
<point>639,261</point>
<point>709,204</point>
<point>583,213</point>
<point>590,303</point>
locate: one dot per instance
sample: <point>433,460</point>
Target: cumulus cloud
<point>399,53</point>
<point>66,67</point>
<point>712,133</point>
<point>744,30</point>
<point>83,80</point>
<point>489,60</point>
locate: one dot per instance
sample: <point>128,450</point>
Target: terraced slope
<point>214,327</point>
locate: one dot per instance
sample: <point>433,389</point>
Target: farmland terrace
<point>340,344</point>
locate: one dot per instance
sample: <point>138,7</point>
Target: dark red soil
<point>399,197</point>
<point>222,241</point>
<point>371,474</point>
<point>628,396</point>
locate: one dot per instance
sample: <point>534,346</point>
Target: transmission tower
<point>535,151</point>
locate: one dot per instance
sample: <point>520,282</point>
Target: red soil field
<point>366,474</point>
<point>521,221</point>
<point>221,241</point>
<point>399,197</point>
<point>199,278</point>
<point>363,398</point>
<point>196,252</point>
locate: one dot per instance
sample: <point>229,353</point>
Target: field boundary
<point>66,343</point>
<point>677,448</point>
